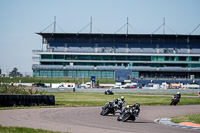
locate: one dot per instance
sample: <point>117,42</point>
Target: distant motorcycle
<point>174,100</point>
<point>108,92</point>
<point>110,107</point>
<point>128,114</point>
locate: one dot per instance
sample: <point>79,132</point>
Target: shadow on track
<point>130,121</point>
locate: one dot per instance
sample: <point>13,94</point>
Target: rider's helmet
<point>137,105</point>
<point>178,93</point>
<point>116,101</point>
<point>122,98</point>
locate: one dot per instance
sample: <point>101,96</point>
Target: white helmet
<point>178,93</point>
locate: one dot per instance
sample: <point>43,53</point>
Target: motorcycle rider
<point>120,103</point>
<point>108,91</point>
<point>116,104</point>
<point>135,107</point>
<point>178,94</point>
<point>176,98</point>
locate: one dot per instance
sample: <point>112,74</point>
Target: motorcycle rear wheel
<point>118,118</point>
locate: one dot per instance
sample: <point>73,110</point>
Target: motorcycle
<point>128,114</point>
<point>174,100</point>
<point>110,107</point>
<point>108,92</point>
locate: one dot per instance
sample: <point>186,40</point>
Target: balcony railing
<point>36,52</point>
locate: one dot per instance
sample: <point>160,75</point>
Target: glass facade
<point>73,74</point>
<point>157,53</point>
<point>102,60</point>
<point>114,60</point>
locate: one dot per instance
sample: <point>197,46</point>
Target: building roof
<point>116,35</point>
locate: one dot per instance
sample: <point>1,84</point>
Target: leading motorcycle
<point>174,100</point>
<point>129,113</point>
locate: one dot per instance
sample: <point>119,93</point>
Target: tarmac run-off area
<point>89,120</point>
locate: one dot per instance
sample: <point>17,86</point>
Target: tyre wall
<point>26,100</point>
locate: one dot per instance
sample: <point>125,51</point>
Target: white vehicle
<point>191,86</point>
<point>86,85</point>
<point>64,85</point>
<point>164,85</point>
<point>152,86</point>
<point>129,85</point>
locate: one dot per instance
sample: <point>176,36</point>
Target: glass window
<point>70,73</point>
<point>195,58</point>
<point>83,74</point>
<point>120,57</point>
<point>46,63</point>
<point>57,63</point>
<point>36,73</point>
<point>43,56</point>
<point>58,56</point>
<point>145,58</point>
<point>57,73</point>
<point>84,57</point>
<point>161,58</point>
<point>153,58</point>
<point>96,57</point>
<point>108,57</point>
<point>167,58</point>
<point>182,58</point>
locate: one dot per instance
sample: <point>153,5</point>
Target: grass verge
<point>23,130</point>
<point>194,118</point>
<point>91,99</point>
<point>86,99</point>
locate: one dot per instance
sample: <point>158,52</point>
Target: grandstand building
<point>141,56</point>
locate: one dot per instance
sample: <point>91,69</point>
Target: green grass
<point>86,99</point>
<point>53,80</point>
<point>194,118</point>
<point>23,130</point>
<point>91,99</point>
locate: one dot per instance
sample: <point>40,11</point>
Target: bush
<point>23,90</point>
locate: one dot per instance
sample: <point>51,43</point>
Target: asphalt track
<point>88,119</point>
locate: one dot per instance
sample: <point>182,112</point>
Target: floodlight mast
<point>127,27</point>
<point>54,25</point>
<point>164,25</point>
<point>90,25</point>
<point>195,29</point>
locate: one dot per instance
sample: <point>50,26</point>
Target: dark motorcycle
<point>174,100</point>
<point>108,92</point>
<point>109,108</point>
<point>128,114</point>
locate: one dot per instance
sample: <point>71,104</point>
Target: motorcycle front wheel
<point>125,117</point>
<point>104,111</point>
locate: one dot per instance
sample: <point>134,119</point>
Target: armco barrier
<point>26,100</point>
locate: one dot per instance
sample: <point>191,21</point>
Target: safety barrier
<point>26,100</point>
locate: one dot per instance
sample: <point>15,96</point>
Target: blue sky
<point>21,19</point>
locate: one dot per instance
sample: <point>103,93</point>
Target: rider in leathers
<point>120,103</point>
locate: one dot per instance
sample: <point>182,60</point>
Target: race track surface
<point>88,119</point>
